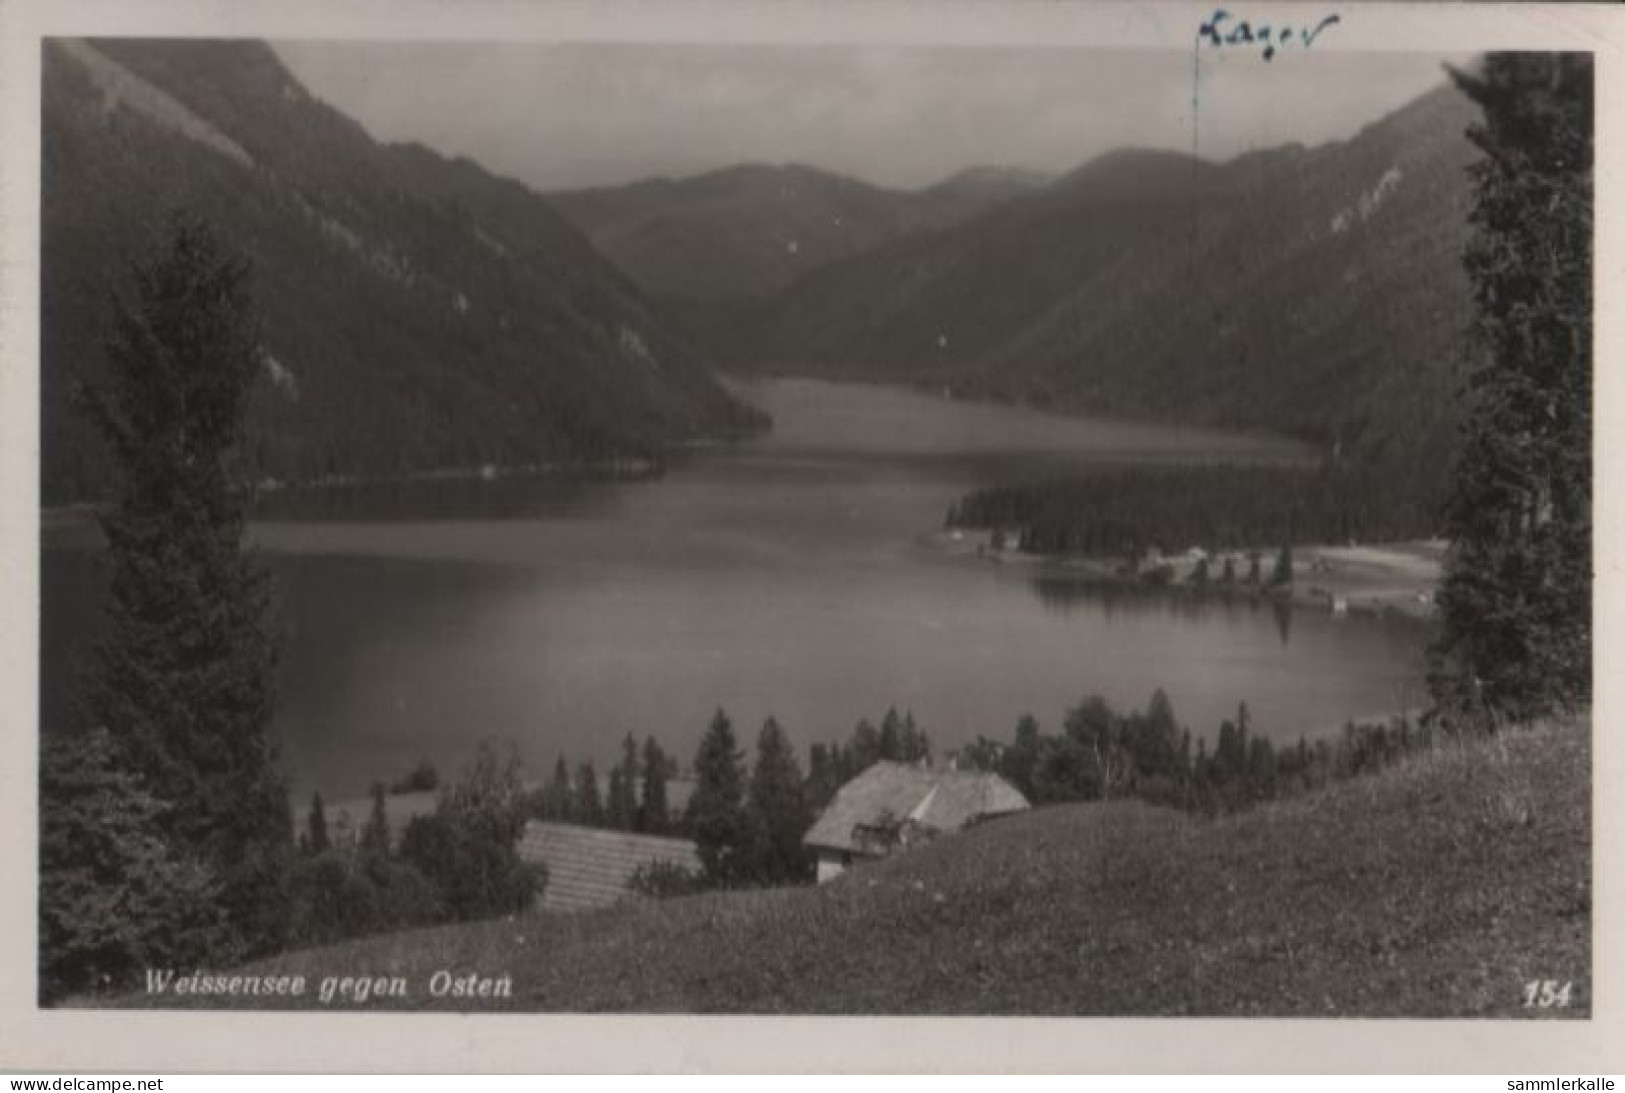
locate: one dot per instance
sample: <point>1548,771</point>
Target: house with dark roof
<point>892,806</point>
<point>589,867</point>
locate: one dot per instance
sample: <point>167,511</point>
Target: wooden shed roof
<point>589,867</point>
<point>945,800</point>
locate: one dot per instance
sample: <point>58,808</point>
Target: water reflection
<point>1069,594</point>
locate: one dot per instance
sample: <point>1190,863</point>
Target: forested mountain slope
<point>1318,292</point>
<point>417,313</point>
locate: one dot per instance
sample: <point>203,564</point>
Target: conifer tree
<point>1162,737</point>
<point>588,804</point>
<point>821,776</point>
<point>558,800</point>
<point>1019,762</point>
<point>115,895</point>
<point>891,736</point>
<point>375,839</point>
<point>779,815</point>
<point>862,750</point>
<point>654,814</point>
<point>616,814</point>
<point>915,742</point>
<point>716,813</point>
<point>623,787</point>
<point>1516,598</point>
<point>316,838</point>
<point>182,672</point>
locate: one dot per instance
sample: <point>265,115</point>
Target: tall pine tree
<point>779,813</point>
<point>654,813</point>
<point>588,806</point>
<point>556,797</point>
<point>182,673</point>
<point>316,837</point>
<point>716,816</point>
<point>375,837</point>
<point>1516,598</point>
<point>623,787</point>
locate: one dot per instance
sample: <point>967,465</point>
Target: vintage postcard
<point>1087,518</point>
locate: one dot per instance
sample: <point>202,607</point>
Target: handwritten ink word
<point>1223,29</point>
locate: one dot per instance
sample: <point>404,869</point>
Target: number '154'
<point>1546,994</point>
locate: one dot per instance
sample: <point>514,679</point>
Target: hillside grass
<point>1439,887</point>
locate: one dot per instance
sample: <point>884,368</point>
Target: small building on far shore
<point>893,806</point>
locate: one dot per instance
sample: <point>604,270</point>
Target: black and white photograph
<point>997,524</point>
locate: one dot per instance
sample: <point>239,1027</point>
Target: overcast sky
<point>561,116</point>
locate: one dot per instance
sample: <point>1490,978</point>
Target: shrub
<point>665,880</point>
<point>468,847</point>
<point>341,894</point>
<point>115,894</point>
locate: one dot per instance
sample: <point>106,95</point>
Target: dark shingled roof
<point>939,800</point>
<point>588,867</point>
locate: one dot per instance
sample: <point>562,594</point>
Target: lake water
<point>791,575</point>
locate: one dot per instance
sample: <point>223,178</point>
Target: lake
<point>793,575</point>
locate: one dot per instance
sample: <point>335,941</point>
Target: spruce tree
<point>779,814</point>
<point>654,814</point>
<point>558,797</point>
<point>375,839</point>
<point>1516,598</point>
<point>1019,762</point>
<point>862,750</point>
<point>623,787</point>
<point>588,804</point>
<point>716,812</point>
<point>182,673</point>
<point>891,736</point>
<point>916,742</point>
<point>316,838</point>
<point>616,813</point>
<point>822,780</point>
<point>115,894</point>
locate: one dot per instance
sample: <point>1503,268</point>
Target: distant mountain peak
<point>750,229</point>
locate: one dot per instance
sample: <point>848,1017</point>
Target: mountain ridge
<point>1318,292</point>
<point>750,229</point>
<point>419,314</point>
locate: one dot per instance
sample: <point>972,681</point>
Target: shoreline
<point>73,514</point>
<point>1378,579</point>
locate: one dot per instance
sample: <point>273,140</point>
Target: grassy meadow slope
<point>1439,887</point>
